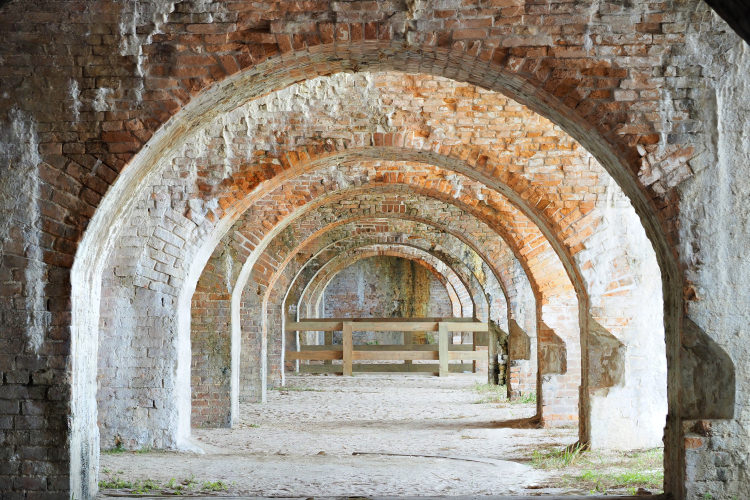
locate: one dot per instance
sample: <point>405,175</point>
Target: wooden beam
<point>319,355</point>
<point>443,349</point>
<point>391,355</point>
<point>387,347</point>
<point>388,325</point>
<point>396,355</point>
<point>432,368</point>
<point>396,320</point>
<point>347,344</point>
<point>467,356</point>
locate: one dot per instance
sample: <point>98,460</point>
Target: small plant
<point>114,483</point>
<point>214,486</point>
<point>525,398</point>
<point>117,448</point>
<point>557,459</point>
<point>490,393</point>
<point>145,449</point>
<point>145,486</point>
<point>189,482</point>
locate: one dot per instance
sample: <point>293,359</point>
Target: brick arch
<point>207,295</point>
<point>554,306</point>
<point>342,234</point>
<point>473,155</point>
<point>466,291</point>
<point>292,276</point>
<point>580,234</point>
<point>261,217</point>
<point>439,269</point>
<point>293,272</point>
<point>155,66</point>
<point>621,178</point>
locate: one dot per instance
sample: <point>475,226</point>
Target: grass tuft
<point>172,487</point>
<point>490,393</point>
<point>118,448</point>
<point>524,398</point>
<point>557,459</point>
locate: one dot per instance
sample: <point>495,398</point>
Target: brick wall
<point>655,91</point>
<point>385,287</point>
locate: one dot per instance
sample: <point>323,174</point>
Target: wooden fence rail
<point>443,352</point>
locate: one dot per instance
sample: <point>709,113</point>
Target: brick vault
<point>180,179</point>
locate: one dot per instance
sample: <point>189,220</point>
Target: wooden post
<point>443,349</point>
<point>298,345</point>
<point>474,348</point>
<point>328,341</point>
<point>492,368</point>
<point>348,343</point>
<point>408,341</point>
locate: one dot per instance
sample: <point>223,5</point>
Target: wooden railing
<point>443,352</point>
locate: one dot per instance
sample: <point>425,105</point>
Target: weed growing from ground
<point>188,485</point>
<point>490,393</point>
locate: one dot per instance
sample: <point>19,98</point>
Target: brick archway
<point>619,175</point>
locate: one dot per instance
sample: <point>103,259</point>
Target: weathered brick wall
<point>385,287</point>
<point>297,272</point>
<point>655,91</point>
<point>456,186</point>
<point>211,341</point>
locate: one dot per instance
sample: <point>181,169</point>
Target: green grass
<point>499,394</point>
<point>603,481</point>
<point>525,398</point>
<point>114,483</point>
<point>172,487</point>
<point>114,450</point>
<point>557,459</point>
<point>490,393</point>
<point>214,486</point>
<point>604,472</point>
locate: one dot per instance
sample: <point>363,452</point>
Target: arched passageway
<point>182,134</point>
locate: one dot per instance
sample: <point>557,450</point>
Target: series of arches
<point>534,236</point>
<point>184,143</point>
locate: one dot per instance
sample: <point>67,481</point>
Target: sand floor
<point>331,436</point>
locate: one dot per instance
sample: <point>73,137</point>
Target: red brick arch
<point>318,244</point>
<point>558,411</point>
<point>598,73</point>
<point>621,179</point>
<point>314,289</point>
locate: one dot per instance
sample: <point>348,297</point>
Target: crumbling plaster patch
<point>715,234</point>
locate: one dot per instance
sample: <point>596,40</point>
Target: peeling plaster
<point>19,195</point>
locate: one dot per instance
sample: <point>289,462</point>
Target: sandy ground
<point>306,441</point>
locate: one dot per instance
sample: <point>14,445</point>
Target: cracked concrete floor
<point>336,436</point>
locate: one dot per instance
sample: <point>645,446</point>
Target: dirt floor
<point>378,435</point>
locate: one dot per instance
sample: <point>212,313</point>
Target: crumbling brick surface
<point>96,91</point>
